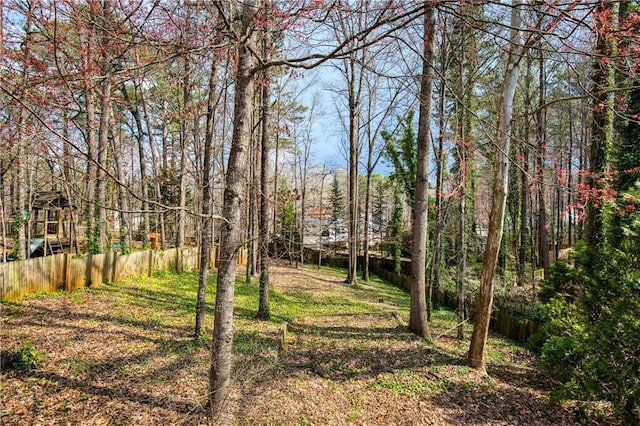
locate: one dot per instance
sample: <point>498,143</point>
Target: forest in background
<point>507,129</point>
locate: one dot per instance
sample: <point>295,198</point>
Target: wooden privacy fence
<point>67,272</point>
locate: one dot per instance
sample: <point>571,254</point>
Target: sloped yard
<point>124,354</point>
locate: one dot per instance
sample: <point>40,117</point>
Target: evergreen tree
<point>400,150</point>
<point>591,335</point>
<point>396,228</point>
<point>379,204</point>
<point>337,205</point>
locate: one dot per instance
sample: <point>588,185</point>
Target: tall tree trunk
<point>463,169</point>
<point>100,211</point>
<point>541,142</point>
<point>20,223</point>
<point>275,185</point>
<point>418,304</point>
<point>123,216</point>
<point>263,236</point>
<point>92,143</point>
<point>184,137</point>
<point>462,241</point>
<point>354,115</point>
<point>524,183</point>
<point>207,222</point>
<point>367,222</point>
<point>602,123</point>
<point>232,233</point>
<point>263,215</point>
<point>106,85</point>
<point>142,162</point>
<point>252,204</point>
<point>155,161</point>
<point>499,198</point>
<point>68,178</point>
<point>437,240</point>
<point>570,224</point>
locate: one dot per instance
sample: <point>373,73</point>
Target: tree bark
<point>100,211</point>
<point>263,230</point>
<point>184,137</point>
<point>541,142</point>
<point>205,236</point>
<point>232,233</point>
<point>354,116</point>
<point>524,183</point>
<point>142,164</point>
<point>418,304</point>
<point>499,198</point>
<point>601,127</point>
<point>91,140</point>
<point>437,239</point>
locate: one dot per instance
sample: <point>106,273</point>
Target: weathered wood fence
<point>68,272</point>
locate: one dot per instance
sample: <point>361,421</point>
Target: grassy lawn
<point>124,354</point>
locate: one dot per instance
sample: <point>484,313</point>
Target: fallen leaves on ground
<point>124,354</point>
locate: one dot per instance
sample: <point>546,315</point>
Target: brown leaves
<point>124,354</point>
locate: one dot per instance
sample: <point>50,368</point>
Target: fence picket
<point>65,272</point>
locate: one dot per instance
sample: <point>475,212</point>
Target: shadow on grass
<point>361,358</point>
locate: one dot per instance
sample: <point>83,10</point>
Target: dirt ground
<point>123,354</point>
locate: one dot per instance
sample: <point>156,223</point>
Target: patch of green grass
<point>80,365</point>
<point>43,293</point>
<point>404,382</point>
<point>352,416</point>
<point>78,297</point>
<point>463,370</point>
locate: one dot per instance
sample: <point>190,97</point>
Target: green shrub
<point>590,342</point>
<point>564,281</point>
<point>24,359</point>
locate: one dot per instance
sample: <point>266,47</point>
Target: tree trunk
<point>463,170</point>
<point>100,211</point>
<point>602,125</point>
<point>541,142</point>
<point>20,223</point>
<point>354,115</point>
<point>524,183</point>
<point>418,304</point>
<point>207,222</point>
<point>367,225</point>
<point>184,139</point>
<point>92,144</point>
<point>142,163</point>
<point>263,231</point>
<point>437,240</point>
<point>499,198</point>
<point>155,162</point>
<point>232,233</point>
<point>123,216</point>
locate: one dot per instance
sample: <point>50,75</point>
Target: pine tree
<point>396,227</point>
<point>337,205</point>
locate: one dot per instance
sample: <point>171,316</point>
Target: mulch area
<point>106,361</point>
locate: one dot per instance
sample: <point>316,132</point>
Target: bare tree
<point>418,308</point>
<point>207,179</point>
<point>234,193</point>
<point>499,195</point>
<point>263,219</point>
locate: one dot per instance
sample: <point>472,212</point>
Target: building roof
<point>51,200</point>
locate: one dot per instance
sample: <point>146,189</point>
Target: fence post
<point>65,272</point>
<point>115,277</point>
<point>150,263</point>
<point>2,274</point>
